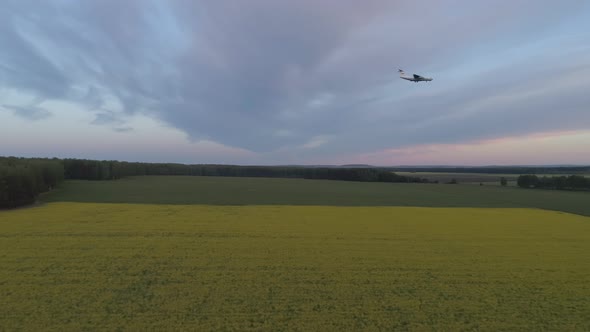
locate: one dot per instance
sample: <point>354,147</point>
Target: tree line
<point>23,179</point>
<point>571,182</point>
<point>498,169</point>
<point>110,170</point>
<point>359,174</point>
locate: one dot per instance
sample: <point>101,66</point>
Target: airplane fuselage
<point>420,79</point>
<point>414,77</point>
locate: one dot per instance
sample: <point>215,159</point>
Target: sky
<point>271,82</point>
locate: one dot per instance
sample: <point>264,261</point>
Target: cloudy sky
<point>297,81</point>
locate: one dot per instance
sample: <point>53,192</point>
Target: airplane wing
<point>417,77</point>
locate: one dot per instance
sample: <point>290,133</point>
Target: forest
<point>497,169</point>
<point>571,182</point>
<point>23,179</point>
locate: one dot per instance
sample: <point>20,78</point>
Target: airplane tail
<point>401,72</point>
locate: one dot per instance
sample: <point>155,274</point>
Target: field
<point>465,178</point>
<point>87,266</point>
<point>263,191</point>
<point>473,178</point>
<point>192,253</point>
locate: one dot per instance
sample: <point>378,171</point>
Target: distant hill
<point>358,166</point>
<point>495,169</point>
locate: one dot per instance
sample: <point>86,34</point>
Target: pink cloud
<point>570,147</point>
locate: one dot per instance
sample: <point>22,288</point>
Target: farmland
<point>476,178</point>
<point>264,191</point>
<point>470,178</point>
<point>220,253</point>
<point>86,266</point>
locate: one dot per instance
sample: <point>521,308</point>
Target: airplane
<point>415,78</point>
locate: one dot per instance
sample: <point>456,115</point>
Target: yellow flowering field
<point>87,266</point>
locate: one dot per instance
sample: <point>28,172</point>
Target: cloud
<point>123,129</point>
<point>316,142</point>
<point>23,64</point>
<point>32,113</point>
<point>536,149</point>
<point>273,75</point>
<point>107,118</point>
